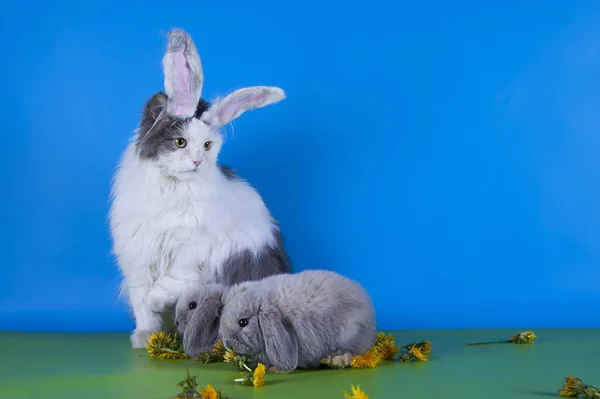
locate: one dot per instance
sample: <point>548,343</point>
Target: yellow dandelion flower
<point>569,388</point>
<point>526,337</point>
<point>228,356</point>
<point>210,393</point>
<point>357,393</point>
<point>367,360</point>
<point>385,345</point>
<point>258,378</point>
<point>417,353</point>
<point>425,347</point>
<point>155,342</point>
<point>219,349</point>
<point>574,387</point>
<point>164,346</point>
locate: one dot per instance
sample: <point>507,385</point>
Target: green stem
<point>590,392</point>
<point>492,342</point>
<point>246,367</point>
<point>169,350</point>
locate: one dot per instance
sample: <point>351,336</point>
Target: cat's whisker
<point>155,122</point>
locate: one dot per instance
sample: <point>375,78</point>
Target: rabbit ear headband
<point>183,74</point>
<point>183,80</point>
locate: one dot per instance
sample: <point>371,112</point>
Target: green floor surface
<point>103,366</point>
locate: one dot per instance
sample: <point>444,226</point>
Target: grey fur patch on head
<point>158,130</point>
<point>228,172</point>
<point>245,266</point>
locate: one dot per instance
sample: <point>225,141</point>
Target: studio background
<point>444,154</point>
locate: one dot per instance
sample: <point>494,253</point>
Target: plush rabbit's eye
<point>243,322</point>
<point>180,142</point>
<point>192,305</point>
<point>207,145</point>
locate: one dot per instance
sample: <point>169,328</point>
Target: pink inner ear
<point>233,109</point>
<point>183,96</point>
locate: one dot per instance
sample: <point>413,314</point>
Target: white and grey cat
<point>177,217</point>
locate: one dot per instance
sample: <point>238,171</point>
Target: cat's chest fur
<point>183,220</point>
<point>184,226</point>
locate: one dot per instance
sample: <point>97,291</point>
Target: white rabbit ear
<point>242,100</point>
<point>183,74</point>
<point>281,345</point>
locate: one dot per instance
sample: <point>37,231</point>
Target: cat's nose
<point>196,163</point>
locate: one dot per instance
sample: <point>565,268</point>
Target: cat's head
<point>179,130</point>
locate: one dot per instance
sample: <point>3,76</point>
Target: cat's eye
<point>180,142</point>
<point>207,145</point>
<point>243,322</point>
<point>192,305</point>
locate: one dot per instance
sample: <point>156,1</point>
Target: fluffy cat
<point>177,217</point>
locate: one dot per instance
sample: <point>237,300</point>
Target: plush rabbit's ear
<point>183,74</point>
<point>202,330</point>
<point>281,345</point>
<point>242,100</point>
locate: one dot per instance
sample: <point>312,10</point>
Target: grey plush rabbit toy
<point>286,321</point>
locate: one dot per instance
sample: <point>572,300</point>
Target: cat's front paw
<point>158,301</point>
<point>139,338</point>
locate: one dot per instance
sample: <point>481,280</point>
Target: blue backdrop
<point>445,154</point>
